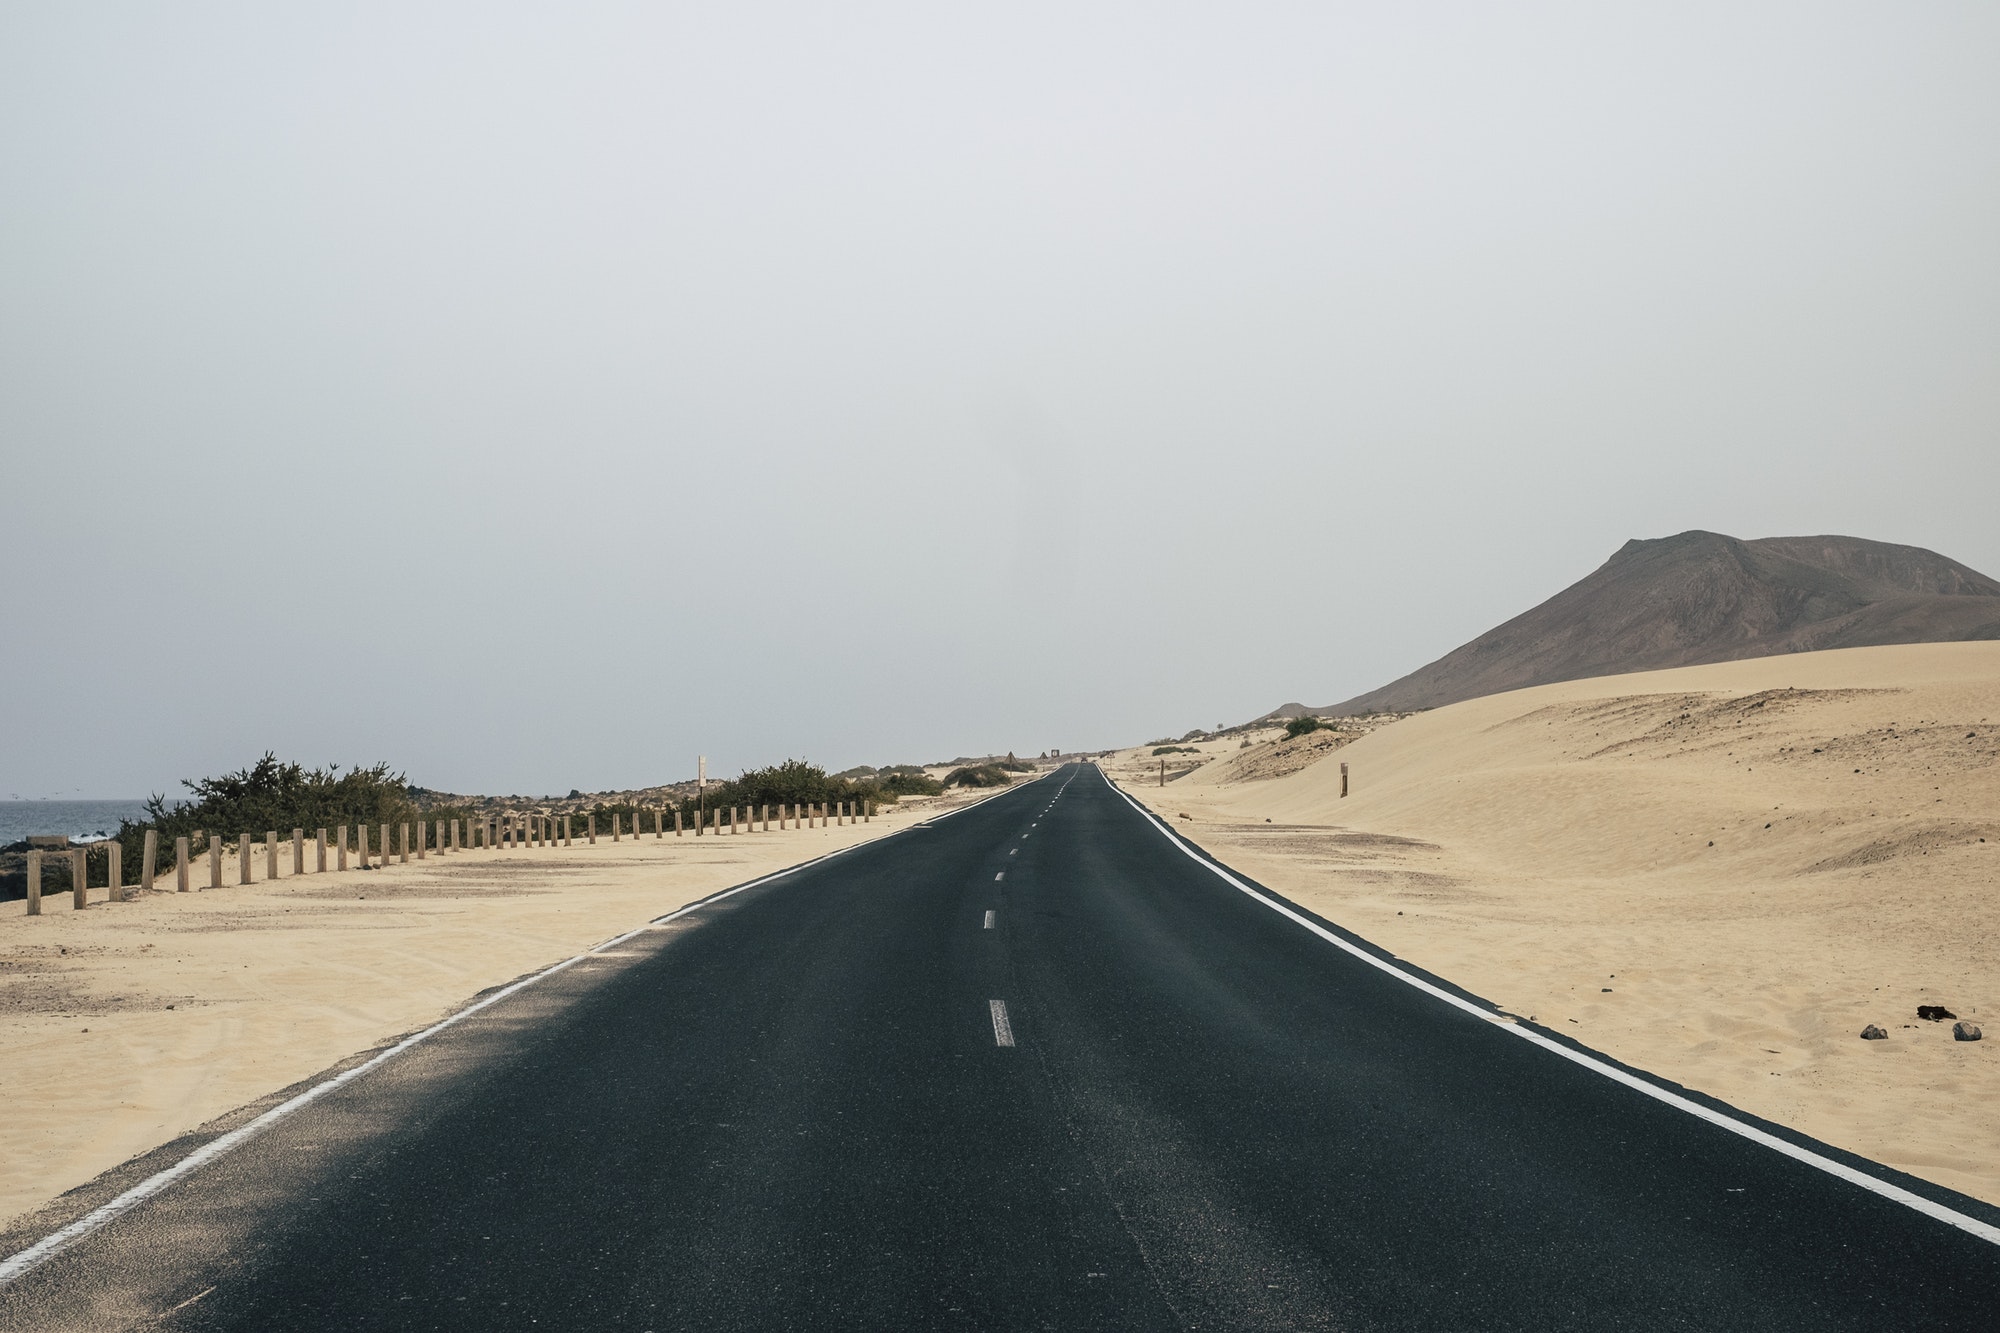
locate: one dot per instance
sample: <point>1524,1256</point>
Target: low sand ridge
<point>1717,873</point>
<point>128,1024</point>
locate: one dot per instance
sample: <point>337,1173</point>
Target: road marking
<point>1910,1199</point>
<point>45,1249</point>
<point>1002,875</point>
<point>989,918</point>
<point>1003,1031</point>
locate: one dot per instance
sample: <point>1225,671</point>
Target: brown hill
<point>1702,597</point>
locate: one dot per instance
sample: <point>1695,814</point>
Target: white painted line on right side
<point>989,919</point>
<point>1003,1031</point>
<point>1909,1199</point>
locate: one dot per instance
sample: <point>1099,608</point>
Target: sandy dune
<point>1718,873</point>
<point>128,1024</point>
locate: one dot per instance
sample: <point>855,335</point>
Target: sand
<point>1719,874</point>
<point>128,1024</point>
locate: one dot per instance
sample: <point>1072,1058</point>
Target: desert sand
<point>128,1024</point>
<point>1716,873</point>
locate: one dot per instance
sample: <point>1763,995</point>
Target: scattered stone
<point>1936,1013</point>
<point>1873,1033</point>
<point>1965,1032</point>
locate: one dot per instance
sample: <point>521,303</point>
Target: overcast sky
<point>538,396</point>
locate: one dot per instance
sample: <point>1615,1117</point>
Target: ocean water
<point>76,819</point>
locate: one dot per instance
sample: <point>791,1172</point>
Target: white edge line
<point>1003,1031</point>
<point>49,1246</point>
<point>1928,1207</point>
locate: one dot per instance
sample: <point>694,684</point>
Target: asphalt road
<point>792,1110</point>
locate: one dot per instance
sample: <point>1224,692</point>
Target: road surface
<point>1030,1066</point>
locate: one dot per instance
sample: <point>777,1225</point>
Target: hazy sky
<point>536,396</point>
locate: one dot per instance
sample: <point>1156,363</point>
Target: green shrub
<point>274,795</point>
<point>985,775</point>
<point>1174,749</point>
<point>918,783</point>
<point>796,782</point>
<point>1300,726</point>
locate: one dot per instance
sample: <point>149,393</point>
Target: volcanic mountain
<point>1703,597</point>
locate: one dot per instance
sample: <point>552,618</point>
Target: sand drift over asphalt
<point>1717,873</point>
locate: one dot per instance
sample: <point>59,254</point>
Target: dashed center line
<point>1002,875</point>
<point>1012,850</point>
<point>1003,1031</point>
<point>989,918</point>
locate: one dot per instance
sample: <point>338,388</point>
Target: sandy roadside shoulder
<point>1720,874</point>
<point>129,1024</point>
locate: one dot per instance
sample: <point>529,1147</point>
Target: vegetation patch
<point>985,775</point>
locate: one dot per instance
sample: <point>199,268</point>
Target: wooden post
<point>868,813</point>
<point>34,883</point>
<point>1343,779</point>
<point>79,879</point>
<point>151,855</point>
<point>590,830</point>
<point>298,851</point>
<point>566,831</point>
<point>764,823</point>
<point>270,853</point>
<point>214,841</point>
<point>340,848</point>
<point>1163,772</point>
<point>422,830</point>
<point>406,843</point>
<point>677,821</point>
<point>243,855</point>
<point>451,828</point>
<point>361,846</point>
<point>114,874</point>
<point>319,852</point>
<point>180,865</point>
<point>659,822</point>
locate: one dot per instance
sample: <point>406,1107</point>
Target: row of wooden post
<point>495,832</point>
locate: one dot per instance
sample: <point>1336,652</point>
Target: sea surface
<point>76,819</point>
